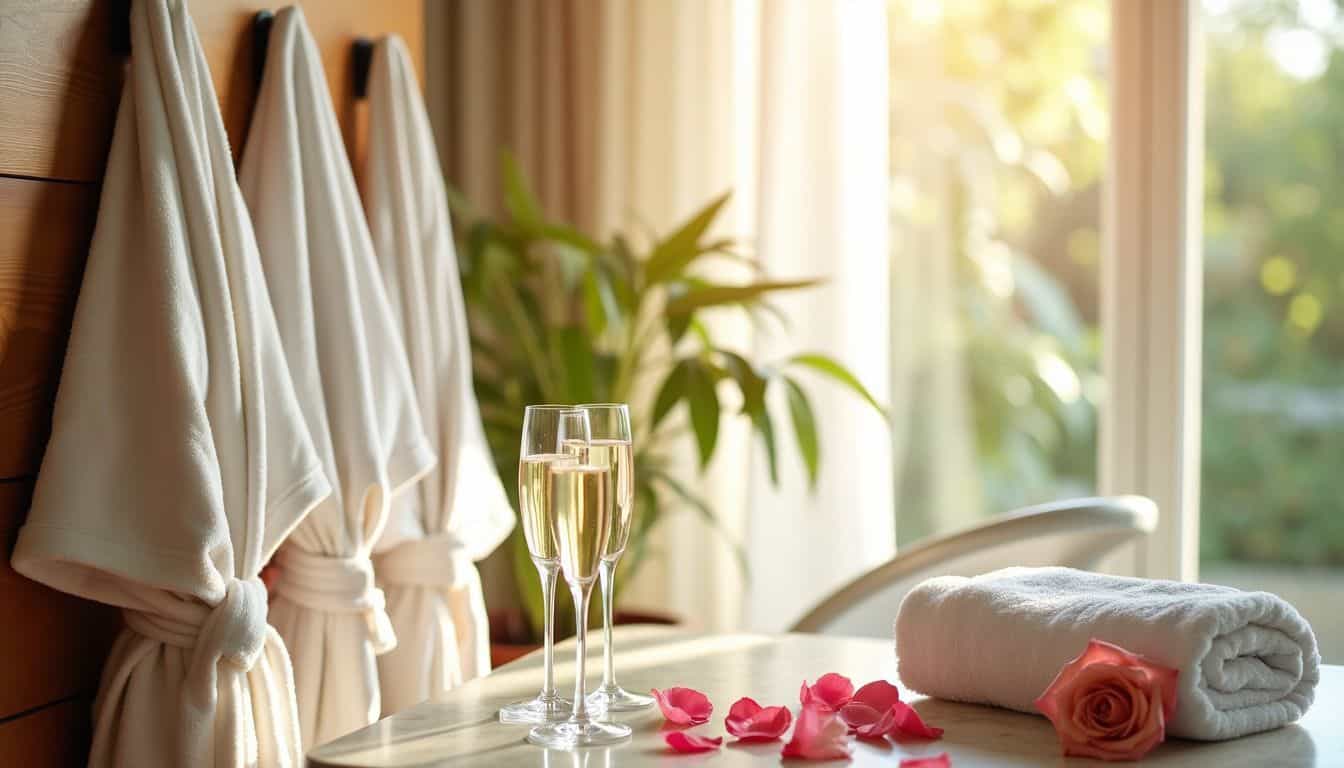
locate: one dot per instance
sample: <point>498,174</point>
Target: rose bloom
<point>1110,704</point>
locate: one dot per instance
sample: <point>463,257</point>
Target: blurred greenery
<point>557,316</point>
<point>1020,134</point>
<point>1030,83</point>
<point>1274,285</point>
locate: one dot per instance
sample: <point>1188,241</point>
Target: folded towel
<point>349,366</point>
<point>1248,660</point>
<point>179,458</point>
<point>459,512</point>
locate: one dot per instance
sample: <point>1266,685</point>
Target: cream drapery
<point>632,115</point>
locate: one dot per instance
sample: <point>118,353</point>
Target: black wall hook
<point>121,27</point>
<point>362,58</point>
<point>261,43</point>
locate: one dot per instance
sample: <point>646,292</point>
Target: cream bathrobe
<point>350,370</point>
<point>459,513</point>
<point>179,459</point>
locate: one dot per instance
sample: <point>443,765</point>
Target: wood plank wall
<point>60,82</point>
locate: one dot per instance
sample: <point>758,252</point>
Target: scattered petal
<point>866,721</point>
<point>831,692</point>
<point>749,721</point>
<point>683,706</point>
<point>909,723</point>
<point>689,743</point>
<point>937,761</point>
<point>879,695</point>
<point>819,735</point>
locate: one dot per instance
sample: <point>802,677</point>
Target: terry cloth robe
<point>349,367</point>
<point>179,458</point>
<point>459,513</point>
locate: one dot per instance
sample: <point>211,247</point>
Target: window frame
<point>1152,275</point>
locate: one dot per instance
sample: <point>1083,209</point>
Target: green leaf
<point>672,390</point>
<point>748,380</point>
<point>704,403</point>
<point>701,332</point>
<point>677,326</point>
<point>594,307</point>
<point>805,428</point>
<point>713,295</point>
<point>829,367</point>
<point>525,330</point>
<point>518,198</point>
<point>578,354</point>
<point>567,235</point>
<point>760,420</point>
<point>672,255</point>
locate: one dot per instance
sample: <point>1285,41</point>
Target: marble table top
<point>461,729</point>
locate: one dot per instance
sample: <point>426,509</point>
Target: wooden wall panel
<point>60,84</point>
<point>53,644</point>
<point>45,229</point>
<point>56,736</point>
<point>60,80</point>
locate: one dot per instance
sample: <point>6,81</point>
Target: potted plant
<point>558,317</point>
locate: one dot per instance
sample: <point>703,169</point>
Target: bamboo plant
<point>558,316</point>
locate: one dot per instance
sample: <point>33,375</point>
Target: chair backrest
<point>1077,533</point>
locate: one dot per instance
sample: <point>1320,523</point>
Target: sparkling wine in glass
<point>546,430</point>
<point>611,446</point>
<point>582,520</point>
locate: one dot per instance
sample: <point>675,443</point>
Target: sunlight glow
<point>1278,275</point>
<point>1060,377</point>
<point>1305,312</point>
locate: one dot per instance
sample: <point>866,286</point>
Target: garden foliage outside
<point>1273,389</point>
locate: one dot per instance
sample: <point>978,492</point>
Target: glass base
<point>543,709</point>
<point>617,699</point>
<point>570,735</point>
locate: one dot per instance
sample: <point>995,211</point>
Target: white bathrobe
<point>459,513</point>
<point>350,370</point>
<point>179,459</point>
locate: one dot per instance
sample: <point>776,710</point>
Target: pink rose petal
<point>749,721</point>
<point>831,692</point>
<point>1109,703</point>
<point>683,706</point>
<point>869,713</point>
<point>819,735</point>
<point>867,722</point>
<point>909,723</point>
<point>689,743</point>
<point>937,761</point>
<point>879,695</point>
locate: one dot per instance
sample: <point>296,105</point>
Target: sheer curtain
<point>630,116</point>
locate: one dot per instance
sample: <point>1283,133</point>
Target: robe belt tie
<point>335,585</point>
<point>234,631</point>
<point>439,561</point>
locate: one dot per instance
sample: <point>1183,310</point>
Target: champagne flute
<point>582,523</point>
<point>546,429</point>
<point>612,446</point>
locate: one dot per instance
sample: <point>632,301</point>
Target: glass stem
<point>581,594</point>
<point>608,575</point>
<point>548,570</point>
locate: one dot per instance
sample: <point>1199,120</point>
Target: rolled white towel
<point>1248,660</point>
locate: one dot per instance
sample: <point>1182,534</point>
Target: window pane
<point>999,123</point>
<point>1272,508</point>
